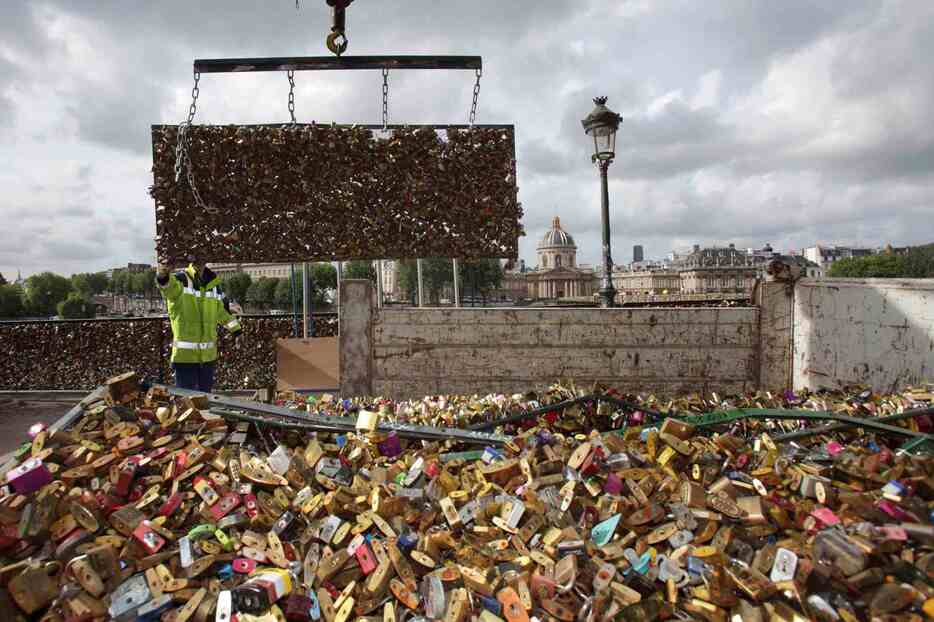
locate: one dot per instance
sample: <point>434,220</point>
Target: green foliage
<point>437,272</point>
<point>283,293</point>
<point>480,276</point>
<point>120,282</point>
<point>75,306</point>
<point>919,263</point>
<point>871,266</point>
<point>359,269</point>
<point>44,291</point>
<point>11,301</point>
<point>262,292</point>
<point>236,285</point>
<point>89,283</point>
<point>323,277</point>
<point>477,277</point>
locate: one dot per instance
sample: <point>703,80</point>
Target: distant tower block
<point>637,254</point>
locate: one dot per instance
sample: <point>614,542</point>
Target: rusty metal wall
<point>79,354</point>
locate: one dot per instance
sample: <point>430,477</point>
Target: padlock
<point>34,587</point>
<point>29,477</point>
<point>148,538</point>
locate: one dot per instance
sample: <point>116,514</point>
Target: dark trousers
<point>194,376</point>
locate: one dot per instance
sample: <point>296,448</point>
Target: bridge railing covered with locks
<point>80,354</point>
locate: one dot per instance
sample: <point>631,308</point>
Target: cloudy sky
<point>750,121</point>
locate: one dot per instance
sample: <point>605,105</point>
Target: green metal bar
<point>729,416</point>
<point>834,427</point>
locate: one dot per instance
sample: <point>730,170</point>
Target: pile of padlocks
<point>152,507</point>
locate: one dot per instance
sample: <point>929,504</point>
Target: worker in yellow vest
<point>196,307</point>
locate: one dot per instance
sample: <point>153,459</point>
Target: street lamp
<point>601,124</point>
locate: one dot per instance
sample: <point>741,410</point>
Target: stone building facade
<point>716,269</point>
<point>557,274</point>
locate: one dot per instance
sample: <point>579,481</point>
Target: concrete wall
<point>415,352</point>
<point>878,332</point>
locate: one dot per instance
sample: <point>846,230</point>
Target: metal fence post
<point>457,289</point>
<point>421,284</point>
<point>306,303</point>
<point>378,266</point>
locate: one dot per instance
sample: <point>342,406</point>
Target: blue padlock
<point>226,572</point>
<point>407,542</point>
<point>315,610</point>
<point>492,605</point>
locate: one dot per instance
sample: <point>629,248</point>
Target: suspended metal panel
<point>286,193</point>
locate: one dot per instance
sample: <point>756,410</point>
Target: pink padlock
<point>243,565</point>
<point>825,516</point>
<point>29,477</point>
<point>613,485</point>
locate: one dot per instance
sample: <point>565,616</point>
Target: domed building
<point>557,274</point>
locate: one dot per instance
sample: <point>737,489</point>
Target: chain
<point>291,75</point>
<point>476,96</point>
<point>195,91</point>
<point>183,145</point>
<point>385,98</point>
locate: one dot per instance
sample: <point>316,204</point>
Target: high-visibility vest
<point>196,306</point>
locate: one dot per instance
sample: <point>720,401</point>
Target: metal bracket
<point>311,421</point>
<point>327,63</point>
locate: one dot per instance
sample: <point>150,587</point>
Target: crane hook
<point>337,40</point>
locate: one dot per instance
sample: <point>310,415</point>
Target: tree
<point>437,273</point>
<point>262,292</point>
<point>98,282</point>
<point>480,276</point>
<point>323,278</point>
<point>871,266</point>
<point>89,283</point>
<point>120,283</point>
<point>283,293</point>
<point>44,291</point>
<point>236,286</point>
<point>11,301</point>
<point>359,269</point>
<point>75,306</point>
<point>919,263</point>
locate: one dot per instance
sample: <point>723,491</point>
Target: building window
<point>558,261</point>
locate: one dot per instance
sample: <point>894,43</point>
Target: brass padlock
<point>35,588</point>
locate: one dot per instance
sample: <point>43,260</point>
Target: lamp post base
<point>607,297</point>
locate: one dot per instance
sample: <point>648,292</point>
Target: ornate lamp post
<point>601,124</point>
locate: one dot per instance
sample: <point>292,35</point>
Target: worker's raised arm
<point>168,285</point>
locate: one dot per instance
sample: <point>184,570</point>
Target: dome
<point>556,236</point>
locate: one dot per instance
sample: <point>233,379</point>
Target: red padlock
<point>9,535</point>
<point>181,462</point>
<point>366,558</point>
<point>125,478</point>
<point>225,505</point>
<point>249,502</point>
<point>244,565</point>
<point>171,505</point>
<point>136,493</point>
<point>149,539</point>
